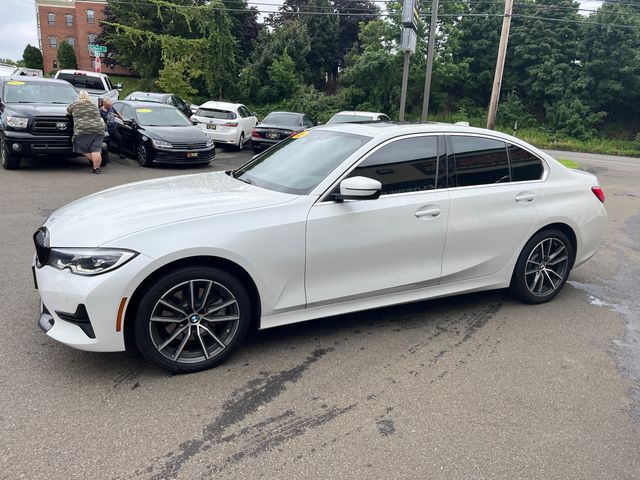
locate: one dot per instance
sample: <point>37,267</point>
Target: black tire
<point>142,155</point>
<point>10,161</point>
<point>206,341</point>
<point>543,267</point>
<point>241,142</point>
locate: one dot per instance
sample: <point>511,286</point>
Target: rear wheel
<point>142,154</point>
<point>192,319</point>
<point>241,142</point>
<point>543,267</point>
<point>9,160</point>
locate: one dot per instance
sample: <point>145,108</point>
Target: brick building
<point>77,22</point>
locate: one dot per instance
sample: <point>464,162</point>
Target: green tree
<point>176,76</point>
<point>67,56</point>
<point>323,36</point>
<point>32,57</point>
<point>284,80</point>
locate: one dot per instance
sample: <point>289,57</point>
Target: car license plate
<point>211,126</point>
<point>272,135</point>
<point>192,154</point>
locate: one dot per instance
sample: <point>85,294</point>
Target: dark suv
<point>33,118</point>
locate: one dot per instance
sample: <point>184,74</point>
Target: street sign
<point>408,40</point>
<point>410,14</point>
<point>95,49</point>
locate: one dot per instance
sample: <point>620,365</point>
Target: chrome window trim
<point>322,200</point>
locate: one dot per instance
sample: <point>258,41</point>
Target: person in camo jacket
<point>88,129</point>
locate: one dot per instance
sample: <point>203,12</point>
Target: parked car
<point>276,127</point>
<point>332,220</point>
<point>358,117</point>
<point>228,123</point>
<point>34,120</point>
<point>158,133</point>
<point>167,98</point>
<point>98,85</point>
<point>7,70</point>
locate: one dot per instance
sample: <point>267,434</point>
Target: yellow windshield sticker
<point>304,133</point>
<point>15,82</point>
<point>143,110</point>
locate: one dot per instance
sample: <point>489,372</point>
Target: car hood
<point>32,109</point>
<point>111,214</point>
<point>175,134</point>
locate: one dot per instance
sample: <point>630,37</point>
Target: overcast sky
<point>18,25</point>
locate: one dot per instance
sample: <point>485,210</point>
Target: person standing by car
<point>88,129</point>
<point>109,116</point>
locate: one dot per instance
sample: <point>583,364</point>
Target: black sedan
<point>166,98</point>
<point>158,133</point>
<point>276,127</point>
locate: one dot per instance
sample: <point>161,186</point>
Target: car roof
<point>395,129</point>
<point>288,113</point>
<point>142,103</point>
<point>29,79</point>
<point>356,112</point>
<point>88,73</point>
<point>147,95</point>
<point>220,105</point>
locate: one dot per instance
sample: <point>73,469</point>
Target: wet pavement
<point>474,386</point>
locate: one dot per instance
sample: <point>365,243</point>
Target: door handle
<point>428,212</point>
<point>525,197</point>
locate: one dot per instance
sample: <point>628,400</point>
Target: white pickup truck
<point>98,85</point>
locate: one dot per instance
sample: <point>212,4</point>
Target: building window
<point>91,38</point>
<point>53,41</point>
<point>55,64</point>
<point>69,19</point>
<point>91,16</point>
<point>71,41</point>
<point>51,18</point>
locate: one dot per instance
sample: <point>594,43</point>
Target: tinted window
<point>524,165</point>
<point>83,81</point>
<point>409,165</point>
<point>127,112</point>
<point>283,119</point>
<point>245,111</point>
<point>480,161</point>
<point>215,113</point>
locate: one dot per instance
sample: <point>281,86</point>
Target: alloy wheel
<point>546,267</point>
<point>142,154</point>
<point>194,321</point>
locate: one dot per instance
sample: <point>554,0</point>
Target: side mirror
<point>359,188</point>
<point>255,114</point>
<point>119,87</point>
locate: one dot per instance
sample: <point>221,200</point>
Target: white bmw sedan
<point>332,220</point>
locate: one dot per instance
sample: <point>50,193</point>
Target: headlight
<point>160,143</point>
<point>17,122</point>
<point>89,261</point>
<point>210,142</point>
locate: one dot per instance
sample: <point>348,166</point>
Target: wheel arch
<point>567,230</point>
<point>199,260</point>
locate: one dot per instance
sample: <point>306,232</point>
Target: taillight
<point>255,133</point>
<point>597,191</point>
<point>230,124</point>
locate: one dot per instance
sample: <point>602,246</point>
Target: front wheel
<point>10,161</point>
<point>192,319</point>
<point>543,267</point>
<point>142,153</point>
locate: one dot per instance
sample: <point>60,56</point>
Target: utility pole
<point>427,77</point>
<point>405,80</point>
<point>502,53</point>
<point>408,40</point>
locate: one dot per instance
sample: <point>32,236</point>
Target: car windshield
<point>297,165</point>
<point>161,117</point>
<point>284,119</point>
<point>345,118</point>
<point>82,81</point>
<point>35,92</point>
<point>215,113</point>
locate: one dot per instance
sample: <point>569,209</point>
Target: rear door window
<point>479,161</point>
<point>406,165</point>
<point>524,165</point>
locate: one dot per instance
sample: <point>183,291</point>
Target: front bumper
<point>29,145</point>
<point>63,292</point>
<point>181,157</point>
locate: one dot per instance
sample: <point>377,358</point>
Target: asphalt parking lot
<point>475,386</point>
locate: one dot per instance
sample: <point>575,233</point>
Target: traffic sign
<point>93,48</point>
<point>410,14</point>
